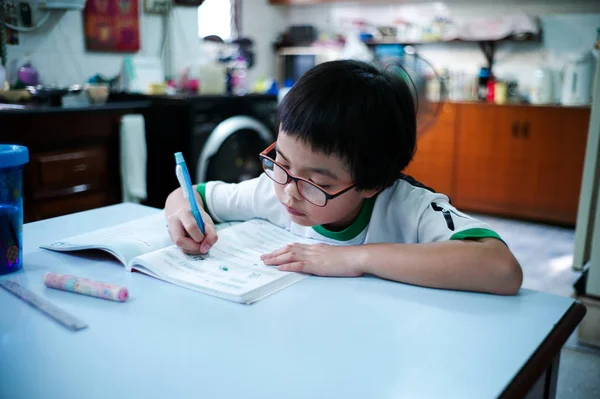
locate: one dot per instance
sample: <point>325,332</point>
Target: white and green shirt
<point>406,212</point>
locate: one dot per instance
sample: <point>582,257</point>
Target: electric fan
<point>419,74</point>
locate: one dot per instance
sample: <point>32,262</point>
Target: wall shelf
<point>512,38</point>
<point>488,47</point>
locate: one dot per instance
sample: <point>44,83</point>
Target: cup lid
<point>13,155</point>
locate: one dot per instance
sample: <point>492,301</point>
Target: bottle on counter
<point>239,72</point>
<point>484,77</point>
<point>213,78</point>
<point>444,80</point>
<point>490,89</point>
<point>27,74</point>
<point>512,91</point>
<point>433,88</point>
<point>471,88</point>
<point>500,93</point>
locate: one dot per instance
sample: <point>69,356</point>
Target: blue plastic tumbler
<point>12,160</point>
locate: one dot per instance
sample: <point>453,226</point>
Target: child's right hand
<point>186,234</point>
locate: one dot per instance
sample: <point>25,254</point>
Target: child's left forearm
<point>485,265</point>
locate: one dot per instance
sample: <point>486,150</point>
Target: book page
<point>125,241</point>
<point>233,265</point>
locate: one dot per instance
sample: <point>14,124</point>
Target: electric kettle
<point>578,75</point>
<point>542,87</point>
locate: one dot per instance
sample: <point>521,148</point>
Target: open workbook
<point>231,270</point>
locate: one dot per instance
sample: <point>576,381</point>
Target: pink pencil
<point>86,287</point>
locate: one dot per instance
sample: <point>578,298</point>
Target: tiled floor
<point>578,375</point>
<point>546,253</point>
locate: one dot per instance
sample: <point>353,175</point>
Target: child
<point>346,130</point>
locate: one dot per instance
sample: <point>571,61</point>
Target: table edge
<point>531,371</point>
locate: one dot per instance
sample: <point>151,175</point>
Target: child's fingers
<point>277,252</point>
<point>180,238</point>
<point>298,267</point>
<point>293,249</point>
<point>282,259</point>
<point>191,226</point>
<point>211,235</point>
<point>191,247</point>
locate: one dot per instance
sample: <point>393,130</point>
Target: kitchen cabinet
<point>73,157</point>
<point>292,2</point>
<point>520,161</point>
<point>512,160</point>
<point>433,162</point>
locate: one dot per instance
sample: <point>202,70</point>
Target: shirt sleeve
<point>249,199</point>
<point>440,221</point>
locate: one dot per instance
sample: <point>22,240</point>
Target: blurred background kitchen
<point>103,92</point>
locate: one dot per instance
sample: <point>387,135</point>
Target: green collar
<point>359,224</point>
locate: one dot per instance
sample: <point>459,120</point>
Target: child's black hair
<point>352,109</point>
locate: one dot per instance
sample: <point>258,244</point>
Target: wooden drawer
<point>56,170</point>
<point>47,208</point>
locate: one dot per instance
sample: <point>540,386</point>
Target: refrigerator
<point>587,230</point>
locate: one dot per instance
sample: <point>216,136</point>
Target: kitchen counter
<point>74,162</point>
<point>517,104</point>
<point>125,102</point>
<point>183,97</point>
<point>35,109</point>
<point>74,150</point>
<point>140,102</point>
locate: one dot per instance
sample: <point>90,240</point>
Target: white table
<point>320,338</point>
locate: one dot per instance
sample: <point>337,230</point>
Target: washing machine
<point>219,136</point>
<point>227,136</point>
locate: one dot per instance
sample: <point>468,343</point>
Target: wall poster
<point>112,25</point>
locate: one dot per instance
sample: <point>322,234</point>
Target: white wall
<point>186,45</point>
<point>57,49</point>
<point>262,22</point>
<point>568,28</point>
<point>564,35</point>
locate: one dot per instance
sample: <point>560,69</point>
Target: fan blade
<point>418,72</point>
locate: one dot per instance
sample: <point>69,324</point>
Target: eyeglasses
<point>310,191</point>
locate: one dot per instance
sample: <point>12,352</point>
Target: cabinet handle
<point>515,129</point>
<point>79,168</point>
<point>525,129</point>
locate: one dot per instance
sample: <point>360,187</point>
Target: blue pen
<point>185,182</point>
